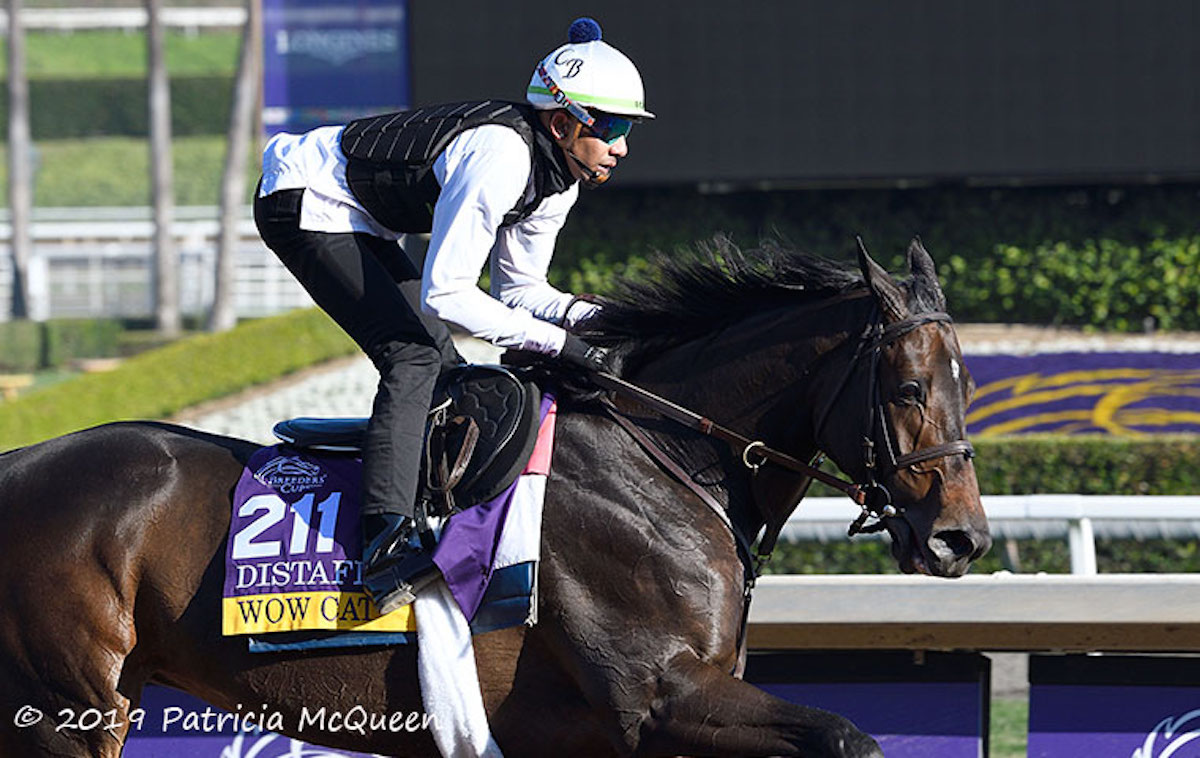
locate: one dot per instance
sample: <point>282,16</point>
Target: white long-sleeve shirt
<point>483,173</point>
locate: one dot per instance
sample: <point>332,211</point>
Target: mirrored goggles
<point>609,128</point>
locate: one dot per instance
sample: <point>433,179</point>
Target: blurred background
<point>1046,153</point>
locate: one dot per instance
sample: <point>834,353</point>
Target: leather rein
<point>874,499</point>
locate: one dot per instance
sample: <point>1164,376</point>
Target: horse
<point>112,562</point>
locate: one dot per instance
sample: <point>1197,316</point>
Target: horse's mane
<point>702,290</point>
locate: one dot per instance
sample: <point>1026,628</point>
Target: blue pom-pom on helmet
<point>584,30</point>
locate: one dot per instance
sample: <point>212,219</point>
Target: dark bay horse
<point>111,561</point>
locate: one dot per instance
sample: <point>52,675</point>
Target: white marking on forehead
<point>955,370</point>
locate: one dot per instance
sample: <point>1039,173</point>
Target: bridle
<point>872,496</point>
<point>867,353</point>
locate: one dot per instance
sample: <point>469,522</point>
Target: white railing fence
<point>1077,518</point>
<point>89,263</point>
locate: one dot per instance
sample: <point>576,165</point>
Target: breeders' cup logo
<point>1166,739</point>
<point>290,474</point>
<point>242,747</point>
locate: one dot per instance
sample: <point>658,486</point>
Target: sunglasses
<point>609,128</point>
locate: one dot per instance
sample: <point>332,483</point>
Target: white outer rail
<point>1080,513</point>
<point>1115,612</point>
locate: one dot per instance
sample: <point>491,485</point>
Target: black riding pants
<point>372,290</point>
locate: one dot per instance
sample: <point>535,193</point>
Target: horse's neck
<point>753,378</point>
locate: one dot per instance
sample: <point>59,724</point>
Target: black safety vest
<point>390,159</point>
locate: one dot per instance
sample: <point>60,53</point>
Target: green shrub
<point>159,383</point>
<point>27,346</point>
<point>20,346</point>
<point>1082,464</point>
<point>1099,283</point>
<point>64,340</point>
<point>1089,465</point>
<point>1099,257</point>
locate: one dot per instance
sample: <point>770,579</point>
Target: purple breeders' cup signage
<point>1068,393</point>
<point>1127,706</point>
<point>171,723</point>
<point>329,62</point>
<point>937,708</point>
<point>293,560</point>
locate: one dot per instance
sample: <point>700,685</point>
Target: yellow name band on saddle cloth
<point>311,611</point>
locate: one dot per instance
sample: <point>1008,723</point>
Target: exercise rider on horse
<point>491,181</point>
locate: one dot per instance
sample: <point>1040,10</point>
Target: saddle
<point>479,435</point>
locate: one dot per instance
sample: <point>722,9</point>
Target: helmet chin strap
<point>591,178</point>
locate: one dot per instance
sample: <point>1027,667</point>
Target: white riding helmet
<point>587,73</point>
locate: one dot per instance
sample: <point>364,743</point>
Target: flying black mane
<point>687,296</point>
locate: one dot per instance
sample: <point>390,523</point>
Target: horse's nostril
<point>952,544</point>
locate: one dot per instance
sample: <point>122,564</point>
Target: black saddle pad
<point>503,407</point>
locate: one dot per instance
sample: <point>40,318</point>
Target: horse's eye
<point>910,392</point>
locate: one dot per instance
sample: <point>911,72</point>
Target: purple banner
<point>947,724</point>
<point>328,62</point>
<point>1114,705</point>
<point>171,724</point>
<point>877,690</point>
<point>1067,721</point>
<point>1124,393</point>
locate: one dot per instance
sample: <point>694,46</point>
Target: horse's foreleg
<point>64,722</point>
<point>703,711</point>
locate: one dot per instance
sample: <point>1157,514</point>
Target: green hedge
<point>74,108</point>
<point>1108,257</point>
<point>1082,464</point>
<point>20,346</point>
<point>162,382</point>
<point>1101,283</point>
<point>64,340</point>
<point>31,346</point>
<point>1089,465</point>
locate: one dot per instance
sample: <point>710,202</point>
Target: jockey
<point>492,182</point>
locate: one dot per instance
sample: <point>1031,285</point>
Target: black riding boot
<point>397,559</point>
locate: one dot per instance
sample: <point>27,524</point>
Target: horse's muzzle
<point>953,550</point>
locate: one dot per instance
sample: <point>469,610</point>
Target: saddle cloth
<point>293,559</point>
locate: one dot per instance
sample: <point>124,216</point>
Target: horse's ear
<point>924,277</point>
<point>887,293</point>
